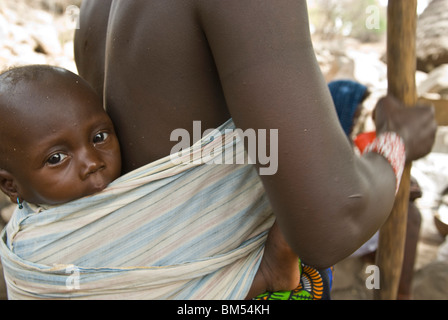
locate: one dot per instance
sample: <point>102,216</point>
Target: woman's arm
<point>327,200</point>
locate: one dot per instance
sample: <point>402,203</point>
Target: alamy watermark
<point>257,144</point>
<point>73,281</point>
<point>373,18</point>
<point>373,280</point>
<point>72,14</point>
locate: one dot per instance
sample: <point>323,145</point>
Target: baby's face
<point>66,155</point>
<point>71,161</point>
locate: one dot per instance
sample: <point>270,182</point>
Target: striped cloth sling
<point>177,228</point>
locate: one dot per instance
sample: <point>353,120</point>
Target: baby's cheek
<point>63,191</point>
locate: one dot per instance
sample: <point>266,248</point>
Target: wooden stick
<point>401,61</point>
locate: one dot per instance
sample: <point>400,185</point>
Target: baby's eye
<point>56,158</point>
<point>100,137</point>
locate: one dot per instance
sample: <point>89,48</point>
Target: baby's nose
<point>91,162</point>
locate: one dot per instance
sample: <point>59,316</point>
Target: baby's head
<point>57,143</point>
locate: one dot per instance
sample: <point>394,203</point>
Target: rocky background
<point>432,36</point>
<point>37,32</point>
<point>41,32</point>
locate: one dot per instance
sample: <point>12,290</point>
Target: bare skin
<point>168,63</point>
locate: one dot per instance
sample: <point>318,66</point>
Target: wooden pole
<point>401,62</point>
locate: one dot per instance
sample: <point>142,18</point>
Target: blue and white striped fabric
<point>190,230</point>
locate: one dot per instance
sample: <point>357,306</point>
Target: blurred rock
<point>31,35</point>
<point>46,38</point>
<point>350,280</point>
<point>436,82</point>
<point>334,59</point>
<point>432,36</point>
<point>431,282</point>
<point>334,62</point>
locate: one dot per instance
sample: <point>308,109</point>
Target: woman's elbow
<point>339,234</point>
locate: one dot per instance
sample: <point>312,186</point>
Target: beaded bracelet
<point>391,146</point>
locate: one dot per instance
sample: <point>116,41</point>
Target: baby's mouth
<point>98,182</point>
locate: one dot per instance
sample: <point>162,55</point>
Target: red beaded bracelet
<point>391,146</point>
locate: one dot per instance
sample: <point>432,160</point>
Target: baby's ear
<point>8,186</point>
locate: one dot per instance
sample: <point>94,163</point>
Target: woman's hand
<point>416,125</point>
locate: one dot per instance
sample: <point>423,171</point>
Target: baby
<point>57,144</point>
